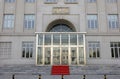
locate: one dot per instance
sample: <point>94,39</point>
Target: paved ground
<point>76,72</point>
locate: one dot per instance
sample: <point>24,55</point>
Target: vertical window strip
<point>8,21</point>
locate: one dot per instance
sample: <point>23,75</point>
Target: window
<point>5,49</point>
<point>91,1</point>
<point>10,1</point>
<point>115,49</point>
<point>92,21</point>
<point>112,1</point>
<point>27,49</point>
<point>71,1</point>
<point>94,49</point>
<point>30,1</point>
<point>51,1</point>
<point>113,21</point>
<point>29,21</point>
<point>8,21</point>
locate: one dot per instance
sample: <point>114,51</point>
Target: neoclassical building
<point>59,32</point>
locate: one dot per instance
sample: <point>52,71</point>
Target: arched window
<point>61,28</point>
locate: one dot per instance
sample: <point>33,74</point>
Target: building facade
<point>59,32</point>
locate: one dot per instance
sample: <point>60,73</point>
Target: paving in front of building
<point>76,72</point>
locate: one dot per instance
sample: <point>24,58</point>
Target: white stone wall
<point>44,16</point>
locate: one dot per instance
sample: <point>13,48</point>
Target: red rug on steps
<point>60,70</point>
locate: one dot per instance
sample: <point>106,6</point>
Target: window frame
<point>29,18</point>
<point>115,54</point>
<point>110,21</point>
<point>92,21</point>
<point>8,23</point>
<point>24,54</point>
<point>92,47</point>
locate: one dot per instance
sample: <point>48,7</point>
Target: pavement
<point>76,72</point>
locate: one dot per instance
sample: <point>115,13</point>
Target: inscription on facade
<point>60,10</point>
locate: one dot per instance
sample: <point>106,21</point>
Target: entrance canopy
<point>60,48</point>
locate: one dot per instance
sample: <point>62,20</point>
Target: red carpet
<point>60,70</point>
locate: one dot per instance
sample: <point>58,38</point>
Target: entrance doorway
<point>60,48</point>
<point>60,45</point>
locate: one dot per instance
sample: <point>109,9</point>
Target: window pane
<point>29,21</point>
<point>64,39</point>
<point>56,39</point>
<point>92,21</point>
<point>113,21</point>
<point>94,49</point>
<point>115,49</point>
<point>47,56</point>
<point>8,21</point>
<point>27,49</point>
<point>40,56</point>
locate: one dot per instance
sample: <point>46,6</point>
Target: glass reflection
<point>74,55</point>
<point>64,39</point>
<point>56,55</point>
<point>47,39</point>
<point>56,39</point>
<point>47,56</point>
<point>39,56</point>
<point>64,57</point>
<point>80,38</point>
<point>73,39</point>
<point>40,39</point>
<point>81,55</point>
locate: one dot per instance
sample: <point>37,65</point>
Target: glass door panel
<point>73,55</point>
<point>47,56</point>
<point>56,56</point>
<point>81,55</point>
<point>39,56</point>
<point>64,56</point>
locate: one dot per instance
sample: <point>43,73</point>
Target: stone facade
<point>72,14</point>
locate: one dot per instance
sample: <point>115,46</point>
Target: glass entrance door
<point>64,56</point>
<point>60,57</point>
<point>60,49</point>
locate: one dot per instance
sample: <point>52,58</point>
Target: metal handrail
<point>62,76</point>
